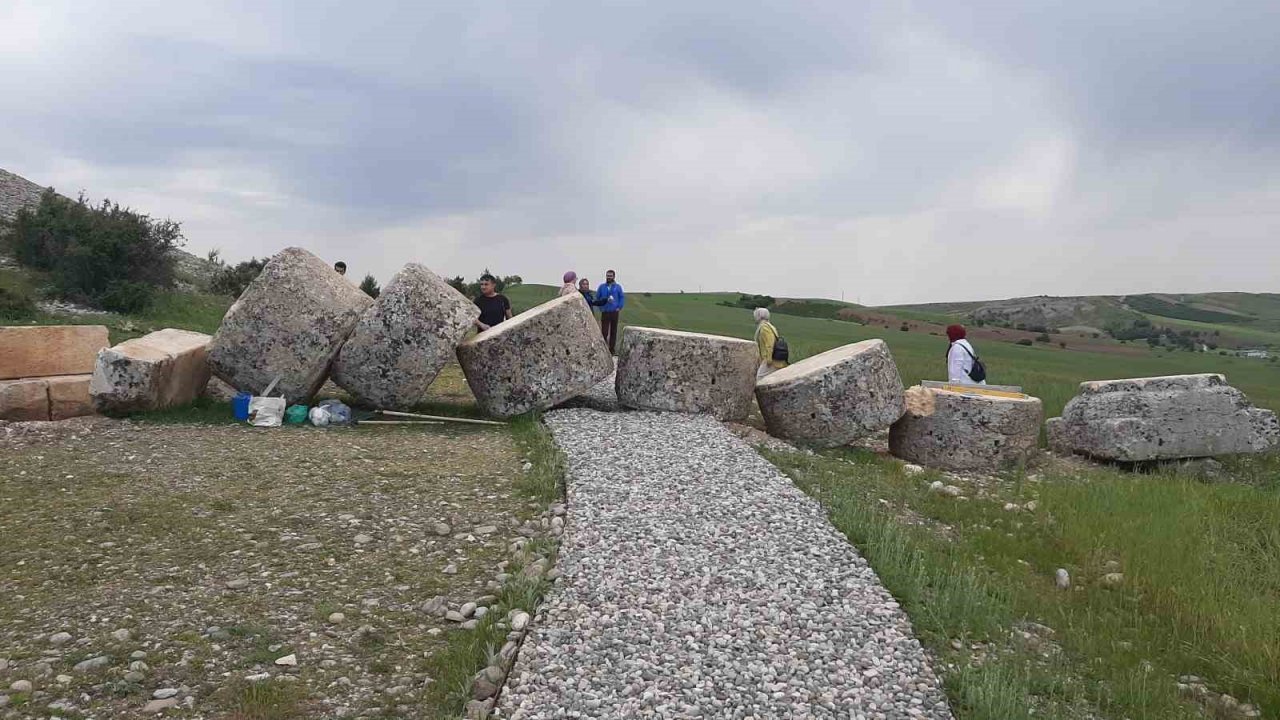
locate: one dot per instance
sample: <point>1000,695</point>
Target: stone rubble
<point>700,582</point>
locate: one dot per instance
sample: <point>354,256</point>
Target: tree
<point>370,286</point>
<point>105,256</point>
<point>228,280</point>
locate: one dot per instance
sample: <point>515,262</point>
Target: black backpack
<point>978,372</point>
<point>781,353</point>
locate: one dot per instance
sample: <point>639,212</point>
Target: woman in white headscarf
<point>766,341</point>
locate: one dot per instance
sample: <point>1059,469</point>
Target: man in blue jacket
<point>611,299</point>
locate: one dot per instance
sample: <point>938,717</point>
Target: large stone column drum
<point>686,372</point>
<point>835,397</point>
<point>166,368</point>
<point>402,341</point>
<point>537,359</point>
<point>289,323</point>
<point>966,431</point>
<point>1162,418</point>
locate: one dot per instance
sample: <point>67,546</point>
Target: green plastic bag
<point>295,415</point>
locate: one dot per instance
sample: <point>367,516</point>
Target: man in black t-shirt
<point>494,308</point>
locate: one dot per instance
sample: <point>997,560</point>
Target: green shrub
<point>1024,341</point>
<point>16,305</point>
<point>233,279</point>
<point>102,256</point>
<point>1043,337</point>
<point>370,286</point>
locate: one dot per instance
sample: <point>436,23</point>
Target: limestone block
<point>69,396</point>
<point>403,340</point>
<point>1162,418</point>
<point>289,323</point>
<point>24,399</point>
<point>163,369</point>
<point>835,397</point>
<point>961,431</point>
<point>45,350</point>
<point>537,359</point>
<point>686,372</point>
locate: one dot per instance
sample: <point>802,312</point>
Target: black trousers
<point>609,329</point>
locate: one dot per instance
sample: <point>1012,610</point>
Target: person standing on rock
<point>570,285</point>
<point>494,307</point>
<point>767,342</point>
<point>963,365</point>
<point>584,288</point>
<point>611,300</point>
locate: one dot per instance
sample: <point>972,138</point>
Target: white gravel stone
<point>61,638</point>
<point>701,583</point>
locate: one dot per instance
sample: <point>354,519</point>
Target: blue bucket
<point>240,405</point>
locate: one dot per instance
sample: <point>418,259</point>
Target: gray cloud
<point>795,148</point>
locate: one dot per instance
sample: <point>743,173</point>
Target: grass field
<point>1048,372</point>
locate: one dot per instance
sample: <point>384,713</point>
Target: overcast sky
<point>883,152</point>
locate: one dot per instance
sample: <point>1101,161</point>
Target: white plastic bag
<point>266,411</point>
<point>319,416</point>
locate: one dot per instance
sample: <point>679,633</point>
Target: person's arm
<point>507,304</point>
<point>479,325</point>
<point>622,297</point>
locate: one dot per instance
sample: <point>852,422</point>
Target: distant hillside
<point>17,192</point>
<point>1232,318</point>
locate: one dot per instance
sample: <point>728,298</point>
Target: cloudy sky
<point>883,152</point>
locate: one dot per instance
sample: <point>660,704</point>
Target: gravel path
<point>699,582</point>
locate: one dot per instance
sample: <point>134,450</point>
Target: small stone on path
<point>237,584</point>
<point>164,693</point>
<point>21,686</point>
<point>59,639</point>
<point>94,663</point>
<point>1062,578</point>
<point>122,635</point>
<point>450,569</point>
<point>363,539</point>
<point>288,660</point>
<point>156,706</point>
<point>336,618</point>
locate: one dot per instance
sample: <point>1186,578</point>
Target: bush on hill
<point>104,256</point>
<point>15,305</point>
<point>233,279</point>
<point>1180,311</point>
<point>370,286</point>
<point>750,302</point>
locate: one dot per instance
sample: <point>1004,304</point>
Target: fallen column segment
<point>537,359</point>
<point>166,368</point>
<point>1162,418</point>
<point>966,431</point>
<point>835,397</point>
<point>289,323</point>
<point>686,372</point>
<point>404,339</point>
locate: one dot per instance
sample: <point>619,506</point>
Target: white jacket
<point>959,362</point>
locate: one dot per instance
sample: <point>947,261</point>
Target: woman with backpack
<point>773,349</point>
<point>963,365</point>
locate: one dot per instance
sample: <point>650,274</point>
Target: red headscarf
<point>955,332</point>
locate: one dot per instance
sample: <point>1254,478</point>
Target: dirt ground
<point>190,563</point>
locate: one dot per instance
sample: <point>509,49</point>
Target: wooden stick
<point>398,422</point>
<point>445,418</point>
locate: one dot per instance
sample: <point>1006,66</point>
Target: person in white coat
<point>961,357</point>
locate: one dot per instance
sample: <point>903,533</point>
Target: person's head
<point>608,277</point>
<point>488,284</point>
<point>570,277</point>
<point>584,284</point>
<point>761,314</point>
<point>955,332</point>
<point>340,268</point>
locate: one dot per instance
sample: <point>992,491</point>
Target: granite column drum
<point>166,368</point>
<point>1162,418</point>
<point>402,341</point>
<point>537,359</point>
<point>686,372</point>
<point>835,397</point>
<point>289,323</point>
<point>963,431</point>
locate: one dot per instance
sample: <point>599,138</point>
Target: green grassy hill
<point>1048,372</point>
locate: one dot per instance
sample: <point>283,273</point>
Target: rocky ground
<point>699,582</point>
<point>234,572</point>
